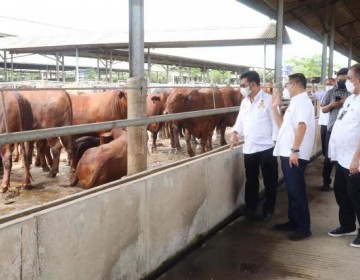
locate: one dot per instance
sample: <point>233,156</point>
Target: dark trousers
<point>328,165</point>
<point>298,208</point>
<point>269,168</point>
<point>323,130</point>
<point>347,194</point>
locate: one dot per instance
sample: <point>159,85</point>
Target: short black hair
<point>299,78</point>
<point>356,68</point>
<point>342,71</point>
<point>251,76</point>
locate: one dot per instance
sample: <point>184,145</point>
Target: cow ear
<point>155,99</point>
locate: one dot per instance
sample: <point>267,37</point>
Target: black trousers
<point>323,130</point>
<point>347,194</point>
<point>269,168</point>
<point>327,165</point>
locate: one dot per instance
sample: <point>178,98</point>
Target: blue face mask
<point>341,84</point>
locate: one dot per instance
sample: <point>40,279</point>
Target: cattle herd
<point>101,157</point>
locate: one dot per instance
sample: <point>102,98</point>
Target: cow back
<point>99,107</point>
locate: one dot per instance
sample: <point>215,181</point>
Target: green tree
<point>309,66</point>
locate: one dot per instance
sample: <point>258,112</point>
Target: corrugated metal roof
<point>236,36</point>
<point>309,17</point>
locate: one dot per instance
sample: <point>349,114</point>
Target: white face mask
<point>245,91</point>
<point>286,94</point>
<point>327,88</point>
<point>350,86</point>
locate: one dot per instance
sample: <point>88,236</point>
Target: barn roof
<point>204,37</point>
<point>308,17</point>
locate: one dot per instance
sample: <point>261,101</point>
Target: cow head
<point>155,99</point>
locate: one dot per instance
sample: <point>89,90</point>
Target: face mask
<point>286,93</point>
<point>245,91</point>
<point>341,84</point>
<point>349,86</point>
<point>327,88</point>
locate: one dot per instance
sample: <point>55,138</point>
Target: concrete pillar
<point>324,58</point>
<point>279,42</point>
<point>137,136</point>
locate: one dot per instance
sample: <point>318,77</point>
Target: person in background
<point>332,103</point>
<point>294,146</point>
<point>323,122</point>
<point>256,123</point>
<point>344,148</point>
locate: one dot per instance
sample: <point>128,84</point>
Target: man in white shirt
<point>294,145</point>
<point>344,149</point>
<point>256,124</point>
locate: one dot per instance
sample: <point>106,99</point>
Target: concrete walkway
<point>250,249</point>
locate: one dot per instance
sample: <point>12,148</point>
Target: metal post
<point>264,70</point>
<point>5,68</point>
<point>57,67</point>
<point>111,63</point>
<point>98,68</point>
<point>331,47</point>
<point>77,65</point>
<point>324,58</point>
<point>63,68</point>
<point>12,67</point>
<point>137,136</point>
<point>167,73</point>
<point>149,66</point>
<point>279,42</point>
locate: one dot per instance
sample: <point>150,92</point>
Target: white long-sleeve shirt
<point>345,136</point>
<point>256,123</point>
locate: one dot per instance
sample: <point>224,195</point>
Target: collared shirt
<point>345,135</point>
<point>330,97</point>
<point>300,110</point>
<point>256,123</point>
<point>323,117</point>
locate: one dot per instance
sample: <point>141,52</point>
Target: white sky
<point>21,17</point>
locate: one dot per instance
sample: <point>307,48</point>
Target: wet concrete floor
<point>251,249</point>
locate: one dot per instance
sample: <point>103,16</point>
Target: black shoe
<point>340,231</point>
<point>299,235</point>
<point>288,226</point>
<point>325,188</point>
<point>356,242</point>
<point>265,217</point>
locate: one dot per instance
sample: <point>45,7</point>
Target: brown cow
<point>184,100</point>
<point>19,117</point>
<point>232,97</point>
<point>99,107</point>
<point>102,164</point>
<point>52,108</point>
<point>155,107</point>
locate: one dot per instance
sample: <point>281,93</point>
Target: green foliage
<point>309,66</point>
<point>219,77</point>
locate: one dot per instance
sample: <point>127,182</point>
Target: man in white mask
<point>256,124</point>
<point>294,146</point>
<point>332,103</point>
<point>344,149</point>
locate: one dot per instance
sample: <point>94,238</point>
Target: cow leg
<point>188,144</point>
<point>16,153</point>
<point>26,158</point>
<point>6,157</point>
<point>222,135</point>
<point>42,153</point>
<point>154,137</point>
<point>70,147</point>
<point>176,132</point>
<point>55,147</point>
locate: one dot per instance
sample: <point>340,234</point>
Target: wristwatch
<point>295,150</point>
